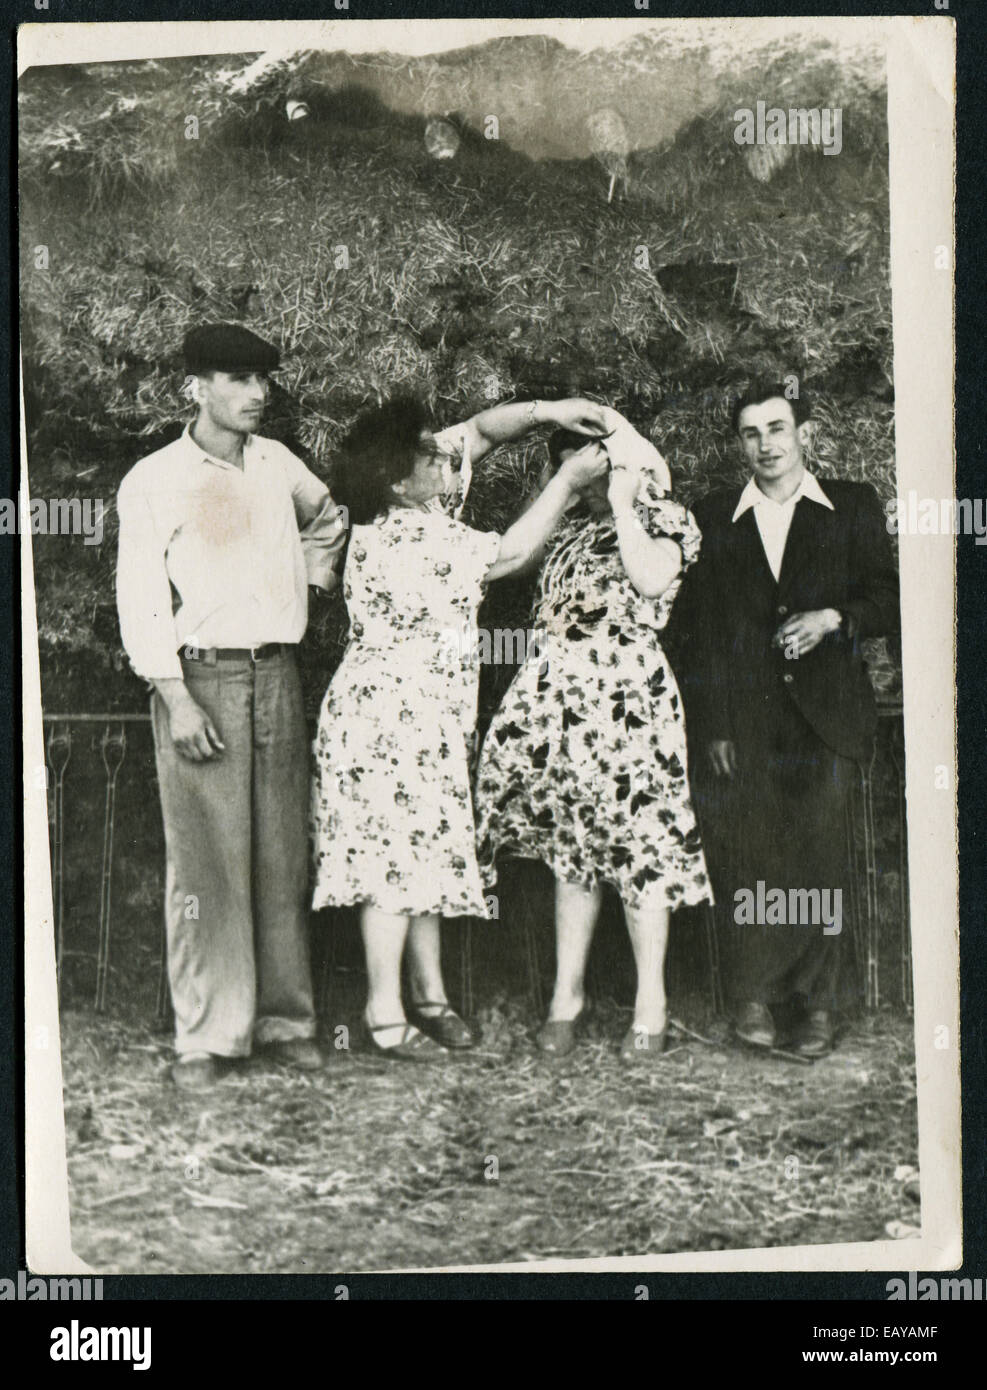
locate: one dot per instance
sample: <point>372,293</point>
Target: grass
<point>374,1165</point>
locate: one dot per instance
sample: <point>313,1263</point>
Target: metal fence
<point>63,740</point>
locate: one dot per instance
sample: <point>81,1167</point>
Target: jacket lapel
<point>752,558</point>
<point>807,536</point>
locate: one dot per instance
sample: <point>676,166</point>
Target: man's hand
<point>192,731</point>
<point>722,757</point>
<point>801,632</point>
<point>582,417</point>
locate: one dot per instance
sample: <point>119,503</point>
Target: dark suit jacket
<point>729,608</point>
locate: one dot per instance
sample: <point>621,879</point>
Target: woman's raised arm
<point>503,423</point>
<point>650,564</point>
<point>526,538</point>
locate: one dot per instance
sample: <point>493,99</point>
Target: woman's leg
<point>425,963</point>
<point>576,911</point>
<point>384,936</point>
<point>648,930</point>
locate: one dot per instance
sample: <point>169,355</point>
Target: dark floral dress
<point>392,813</point>
<point>584,764</point>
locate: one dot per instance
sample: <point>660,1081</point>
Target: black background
<point>747,1322</point>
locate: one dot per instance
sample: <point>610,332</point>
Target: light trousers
<point>236,840</point>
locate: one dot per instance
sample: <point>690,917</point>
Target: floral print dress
<point>584,764</point>
<point>392,814</point>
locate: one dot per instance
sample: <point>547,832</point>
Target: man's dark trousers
<point>781,821</point>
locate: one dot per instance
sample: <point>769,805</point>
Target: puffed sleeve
<point>458,469</point>
<point>476,551</point>
<point>671,521</point>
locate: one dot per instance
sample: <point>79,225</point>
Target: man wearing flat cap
<point>221,532</point>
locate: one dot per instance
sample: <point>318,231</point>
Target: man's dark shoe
<point>754,1025</point>
<point>301,1053</point>
<point>198,1073</point>
<point>814,1037</point>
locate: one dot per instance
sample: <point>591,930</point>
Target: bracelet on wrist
<point>530,419</point>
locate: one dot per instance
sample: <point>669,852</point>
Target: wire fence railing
<point>64,743</point>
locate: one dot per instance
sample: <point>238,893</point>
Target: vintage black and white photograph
<point>465,507</point>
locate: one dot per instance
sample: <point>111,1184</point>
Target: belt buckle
<point>254,651</point>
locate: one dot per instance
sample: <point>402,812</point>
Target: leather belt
<point>208,656</point>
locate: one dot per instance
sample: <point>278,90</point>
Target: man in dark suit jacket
<point>794,571</point>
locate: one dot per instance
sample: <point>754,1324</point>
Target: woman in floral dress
<point>392,807</point>
<point>584,764</point>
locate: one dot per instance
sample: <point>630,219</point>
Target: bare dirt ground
<point>495,1156</point>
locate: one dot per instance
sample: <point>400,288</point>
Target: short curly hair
<point>378,451</point>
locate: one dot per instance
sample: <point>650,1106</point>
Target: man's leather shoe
<point>754,1025</point>
<point>815,1034</point>
<point>197,1073</point>
<point>300,1053</point>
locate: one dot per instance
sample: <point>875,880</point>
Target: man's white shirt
<point>774,519</point>
<point>238,547</point>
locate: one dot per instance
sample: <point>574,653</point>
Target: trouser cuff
<point>272,1030</point>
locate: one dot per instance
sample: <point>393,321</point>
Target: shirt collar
<point>809,487</point>
<point>199,454</point>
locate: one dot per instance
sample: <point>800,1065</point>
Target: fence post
<point>113,748</point>
<point>59,752</point>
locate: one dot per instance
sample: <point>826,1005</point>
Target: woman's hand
<point>525,540</point>
<point>625,483</point>
<point>503,423</point>
<point>585,466</point>
<point>580,416</point>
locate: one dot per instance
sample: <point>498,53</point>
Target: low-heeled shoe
<point>446,1028</point>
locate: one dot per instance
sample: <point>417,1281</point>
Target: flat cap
<point>226,347</point>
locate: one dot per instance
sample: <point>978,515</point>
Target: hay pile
<point>474,278</point>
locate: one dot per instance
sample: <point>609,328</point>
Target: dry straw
<point>477,278</point>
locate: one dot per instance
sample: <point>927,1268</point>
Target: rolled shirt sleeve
<point>322,525</point>
<point>144,599</point>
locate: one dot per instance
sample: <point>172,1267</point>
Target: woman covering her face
<point>584,764</point>
<point>392,809</point>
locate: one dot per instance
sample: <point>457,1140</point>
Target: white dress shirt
<point>212,555</point>
<point>774,519</point>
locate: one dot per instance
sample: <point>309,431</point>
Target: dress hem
<point>435,910</point>
<point>639,900</point>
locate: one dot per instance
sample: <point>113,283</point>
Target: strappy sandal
<point>413,1047</point>
<point>446,1027</point>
